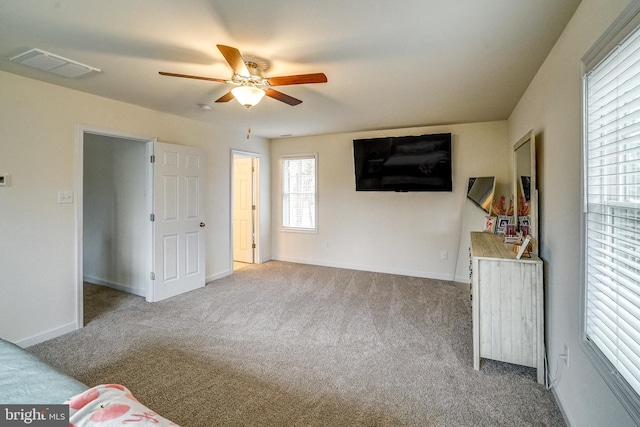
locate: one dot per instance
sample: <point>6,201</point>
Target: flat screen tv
<point>405,163</point>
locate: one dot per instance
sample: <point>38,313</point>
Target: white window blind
<point>299,193</point>
<point>612,220</point>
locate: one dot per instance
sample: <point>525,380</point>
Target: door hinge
<point>253,169</point>
<point>253,246</point>
<point>153,158</point>
<point>153,276</point>
<point>152,217</point>
<point>253,207</point>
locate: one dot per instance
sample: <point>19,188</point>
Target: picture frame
<point>524,220</point>
<point>503,221</point>
<point>489,224</point>
<point>524,248</point>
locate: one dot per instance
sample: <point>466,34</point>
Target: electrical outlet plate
<point>65,197</point>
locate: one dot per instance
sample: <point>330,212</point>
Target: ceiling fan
<point>250,82</point>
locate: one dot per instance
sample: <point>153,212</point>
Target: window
<point>299,194</point>
<point>612,209</point>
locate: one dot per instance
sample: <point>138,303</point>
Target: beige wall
<point>38,243</point>
<point>402,233</point>
<point>552,106</point>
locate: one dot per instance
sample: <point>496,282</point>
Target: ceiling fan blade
<point>186,76</point>
<point>282,97</point>
<point>299,79</point>
<point>225,98</point>
<point>234,58</point>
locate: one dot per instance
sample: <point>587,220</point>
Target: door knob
<point>202,224</point>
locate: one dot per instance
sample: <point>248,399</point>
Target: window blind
<point>612,201</point>
<point>299,192</point>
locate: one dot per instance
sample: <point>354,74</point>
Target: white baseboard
<point>372,268</point>
<point>229,272</point>
<point>218,276</point>
<point>463,286</point>
<point>45,336</point>
<point>265,259</point>
<point>463,279</point>
<point>124,288</point>
<point>561,406</point>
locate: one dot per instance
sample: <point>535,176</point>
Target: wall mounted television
<point>404,163</point>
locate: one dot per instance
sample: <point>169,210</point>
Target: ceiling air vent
<point>55,64</point>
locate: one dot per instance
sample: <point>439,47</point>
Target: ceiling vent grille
<point>55,64</point>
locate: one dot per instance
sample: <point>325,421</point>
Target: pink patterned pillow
<point>108,405</point>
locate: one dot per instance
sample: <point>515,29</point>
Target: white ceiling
<point>389,63</point>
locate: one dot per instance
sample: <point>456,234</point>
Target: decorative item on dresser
<point>508,304</point>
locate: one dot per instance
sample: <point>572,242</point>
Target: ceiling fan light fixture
<point>247,95</point>
<point>249,80</point>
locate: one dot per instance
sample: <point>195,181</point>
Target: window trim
<point>298,156</point>
<point>622,27</point>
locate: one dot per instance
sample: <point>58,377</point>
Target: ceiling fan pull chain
<point>249,123</point>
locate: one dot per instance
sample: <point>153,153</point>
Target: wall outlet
<point>444,254</point>
<point>565,356</point>
<point>65,197</point>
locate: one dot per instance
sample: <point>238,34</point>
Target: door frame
<point>255,191</point>
<point>81,130</point>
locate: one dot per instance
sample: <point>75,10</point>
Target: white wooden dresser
<point>508,304</point>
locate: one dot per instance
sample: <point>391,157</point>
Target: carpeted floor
<point>282,344</point>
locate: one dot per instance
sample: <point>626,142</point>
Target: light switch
<point>65,197</point>
<point>4,179</point>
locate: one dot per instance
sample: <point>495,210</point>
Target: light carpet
<point>283,344</point>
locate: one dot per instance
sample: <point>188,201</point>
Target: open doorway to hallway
<point>113,229</point>
<point>244,205</point>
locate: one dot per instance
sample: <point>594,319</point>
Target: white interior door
<point>243,209</point>
<point>178,226</point>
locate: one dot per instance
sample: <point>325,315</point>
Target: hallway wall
<point>117,231</point>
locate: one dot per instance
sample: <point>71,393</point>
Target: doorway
<point>113,204</point>
<point>116,229</point>
<point>245,209</point>
<point>134,216</point>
